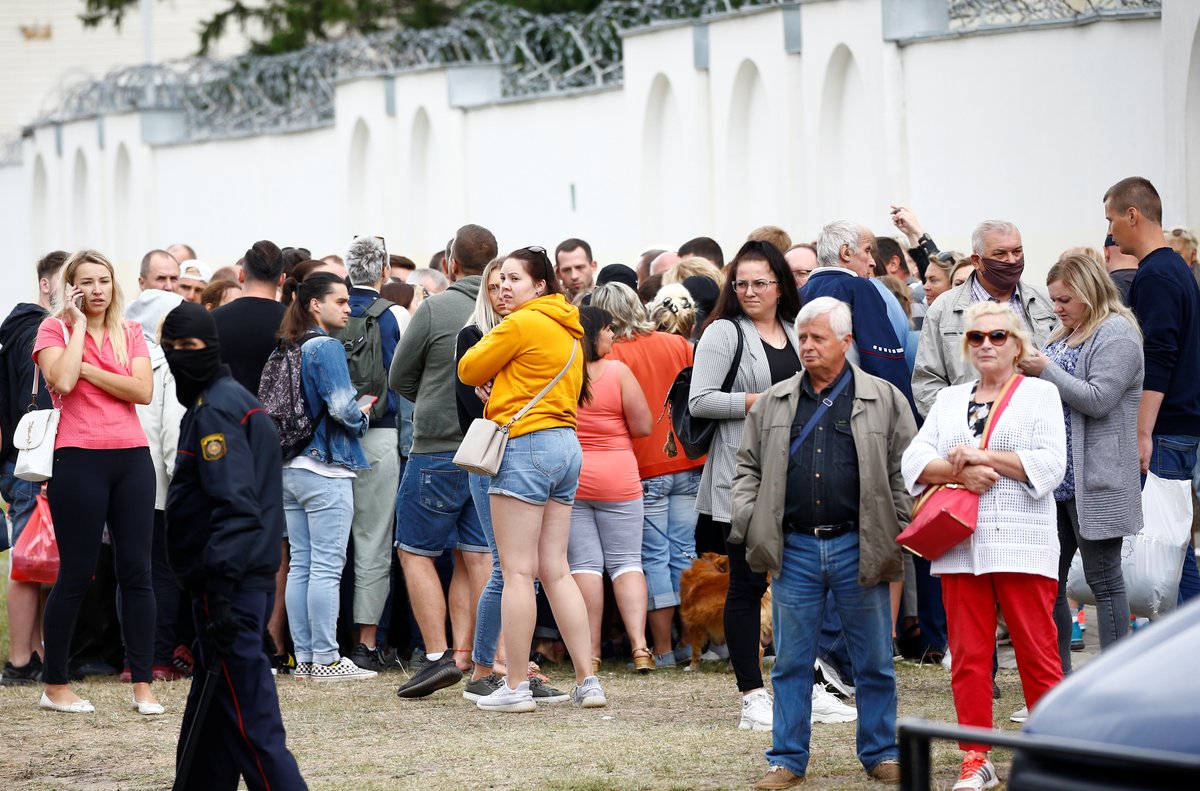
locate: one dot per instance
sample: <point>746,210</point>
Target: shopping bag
<point>35,555</point>
<point>1152,560</point>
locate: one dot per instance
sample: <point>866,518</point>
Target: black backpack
<point>364,355</point>
<point>281,391</point>
<point>695,434</point>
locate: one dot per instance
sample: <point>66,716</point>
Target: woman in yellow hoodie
<point>532,494</point>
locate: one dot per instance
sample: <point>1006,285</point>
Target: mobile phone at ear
<point>366,401</point>
<point>79,302</point>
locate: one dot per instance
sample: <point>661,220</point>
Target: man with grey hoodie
<point>160,420</point>
<point>435,499</point>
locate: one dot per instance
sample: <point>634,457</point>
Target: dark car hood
<point>1142,692</point>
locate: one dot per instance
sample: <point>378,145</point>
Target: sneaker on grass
<point>435,675</point>
<point>826,708</point>
<point>1020,715</point>
<point>511,701</point>
<point>26,675</point>
<point>341,670</point>
<point>367,658</point>
<point>757,713</point>
<point>830,675</point>
<point>977,773</point>
<point>589,694</point>
<point>544,693</point>
<point>302,671</point>
<point>482,687</point>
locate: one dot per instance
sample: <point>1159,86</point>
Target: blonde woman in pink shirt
<point>98,368</point>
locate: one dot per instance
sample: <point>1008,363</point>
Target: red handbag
<point>945,515</point>
<point>35,555</point>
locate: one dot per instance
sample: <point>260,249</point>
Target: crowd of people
<point>259,461</point>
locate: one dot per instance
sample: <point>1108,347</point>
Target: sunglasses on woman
<point>997,337</point>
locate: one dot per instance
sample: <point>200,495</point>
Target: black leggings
<point>90,488</point>
<point>742,603</point>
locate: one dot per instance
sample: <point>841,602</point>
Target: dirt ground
<point>668,730</point>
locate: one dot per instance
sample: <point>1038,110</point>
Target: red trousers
<point>1027,601</point>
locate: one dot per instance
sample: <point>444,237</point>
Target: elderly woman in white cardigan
<point>1095,360</point>
<point>1012,558</point>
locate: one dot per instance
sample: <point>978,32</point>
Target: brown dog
<point>702,591</point>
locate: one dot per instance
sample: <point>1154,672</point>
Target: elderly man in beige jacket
<point>818,500</point>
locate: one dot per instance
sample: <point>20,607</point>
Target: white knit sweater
<point>1017,529</point>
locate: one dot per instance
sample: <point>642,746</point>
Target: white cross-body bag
<point>35,433</point>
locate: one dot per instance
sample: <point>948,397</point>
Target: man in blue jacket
<point>224,519</point>
<point>843,260</point>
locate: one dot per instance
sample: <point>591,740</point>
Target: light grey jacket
<point>1104,395</point>
<point>882,425</point>
<point>714,355</point>
<point>940,360</point>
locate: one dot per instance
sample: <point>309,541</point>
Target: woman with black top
<point>760,302</point>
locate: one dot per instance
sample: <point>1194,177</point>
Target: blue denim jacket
<point>327,383</point>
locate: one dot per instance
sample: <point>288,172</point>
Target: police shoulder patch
<point>212,447</point>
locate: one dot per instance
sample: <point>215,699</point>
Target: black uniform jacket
<point>225,504</point>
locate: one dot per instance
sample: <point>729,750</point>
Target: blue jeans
<point>1173,458</point>
<point>21,497</point>
<point>812,568</point>
<point>487,614</point>
<point>319,511</point>
<point>669,533</point>
<point>434,503</point>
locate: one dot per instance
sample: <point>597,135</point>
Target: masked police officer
<point>224,522</point>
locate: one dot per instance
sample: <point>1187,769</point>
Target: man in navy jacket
<point>843,259</point>
<point>1166,300</point>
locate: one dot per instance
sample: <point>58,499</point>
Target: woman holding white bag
<point>1095,360</point>
<point>98,365</point>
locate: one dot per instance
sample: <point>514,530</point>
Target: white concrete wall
<point>1030,126</point>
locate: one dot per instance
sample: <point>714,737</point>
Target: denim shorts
<point>21,497</point>
<point>434,501</point>
<point>540,466</point>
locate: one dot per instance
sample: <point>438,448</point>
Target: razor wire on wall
<point>538,54</point>
<point>967,15</point>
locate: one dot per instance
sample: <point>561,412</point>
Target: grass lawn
<point>668,730</point>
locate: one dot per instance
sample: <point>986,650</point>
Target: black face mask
<point>193,370</point>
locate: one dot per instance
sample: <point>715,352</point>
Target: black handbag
<point>695,434</point>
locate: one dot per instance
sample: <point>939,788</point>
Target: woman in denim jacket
<point>318,499</point>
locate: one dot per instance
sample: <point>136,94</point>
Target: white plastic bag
<point>1152,560</point>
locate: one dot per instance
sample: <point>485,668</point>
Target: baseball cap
<point>195,270</point>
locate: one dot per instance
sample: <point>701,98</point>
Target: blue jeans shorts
<point>435,501</point>
<point>540,466</point>
<point>21,497</point>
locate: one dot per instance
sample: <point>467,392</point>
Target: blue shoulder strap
<point>824,405</point>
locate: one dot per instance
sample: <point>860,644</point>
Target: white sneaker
<point>302,671</point>
<point>756,711</point>
<point>341,670</point>
<point>589,694</point>
<point>513,701</point>
<point>833,678</point>
<point>977,773</point>
<point>1020,715</point>
<point>946,659</point>
<point>828,709</point>
<point>717,652</point>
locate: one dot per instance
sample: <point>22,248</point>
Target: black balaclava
<point>193,369</point>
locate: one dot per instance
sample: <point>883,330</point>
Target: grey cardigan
<point>1103,396</point>
<point>714,355</point>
